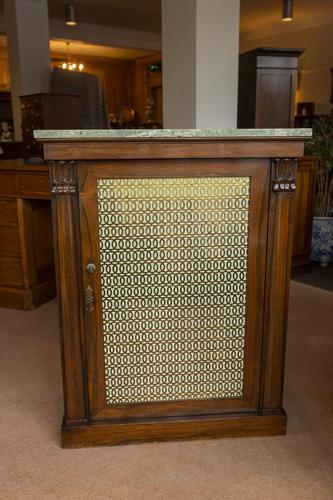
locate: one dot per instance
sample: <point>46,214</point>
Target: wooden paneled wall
<point>4,71</point>
<point>146,84</point>
<point>126,82</point>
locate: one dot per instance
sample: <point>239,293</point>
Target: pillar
<point>28,37</point>
<point>200,48</point>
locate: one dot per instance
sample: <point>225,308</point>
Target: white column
<point>27,27</point>
<point>179,63</point>
<point>200,48</point>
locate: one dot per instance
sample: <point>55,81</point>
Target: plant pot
<point>322,240</point>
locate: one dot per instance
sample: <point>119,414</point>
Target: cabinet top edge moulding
<point>188,143</point>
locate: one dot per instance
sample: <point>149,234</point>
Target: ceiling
<point>257,15</point>
<point>145,15</point>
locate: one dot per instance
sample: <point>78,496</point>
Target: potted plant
<point>322,233</point>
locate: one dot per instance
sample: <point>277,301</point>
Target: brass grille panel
<point>173,256</point>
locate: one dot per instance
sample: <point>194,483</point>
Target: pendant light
<point>287,10</point>
<point>70,14</point>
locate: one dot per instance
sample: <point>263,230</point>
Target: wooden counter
<point>173,264</point>
<point>26,248</point>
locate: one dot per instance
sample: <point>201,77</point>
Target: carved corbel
<point>63,176</point>
<point>284,175</point>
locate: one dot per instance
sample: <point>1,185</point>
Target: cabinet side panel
<point>304,209</point>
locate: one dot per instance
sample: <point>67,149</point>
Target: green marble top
<point>170,133</point>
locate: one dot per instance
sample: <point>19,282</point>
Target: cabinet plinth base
<point>174,429</point>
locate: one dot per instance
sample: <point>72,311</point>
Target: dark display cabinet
<point>267,88</point>
<point>48,111</point>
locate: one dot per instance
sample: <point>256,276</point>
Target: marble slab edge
<point>100,134</point>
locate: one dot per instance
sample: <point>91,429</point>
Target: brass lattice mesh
<point>173,279</point>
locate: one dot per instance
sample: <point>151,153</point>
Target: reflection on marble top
<point>170,133</point>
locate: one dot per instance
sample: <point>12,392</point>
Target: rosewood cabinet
<point>173,254</point>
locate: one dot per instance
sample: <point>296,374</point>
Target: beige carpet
<point>297,466</point>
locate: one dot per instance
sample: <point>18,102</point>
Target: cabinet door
<point>174,307</point>
<point>275,100</point>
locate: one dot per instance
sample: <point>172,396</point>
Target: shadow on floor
<point>319,277</point>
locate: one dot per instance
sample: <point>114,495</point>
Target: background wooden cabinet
<point>267,88</point>
<point>48,111</point>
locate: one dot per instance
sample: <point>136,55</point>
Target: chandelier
<point>71,65</point>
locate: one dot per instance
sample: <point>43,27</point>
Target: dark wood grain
<point>267,88</point>
<point>8,212</point>
<point>10,240</point>
<point>27,277</point>
<point>275,104</point>
<point>305,201</point>
<point>70,302</point>
<point>169,429</point>
<point>167,149</point>
<point>276,300</point>
<point>11,272</point>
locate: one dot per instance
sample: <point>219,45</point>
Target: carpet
<point>296,466</point>
<point>319,276</point>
